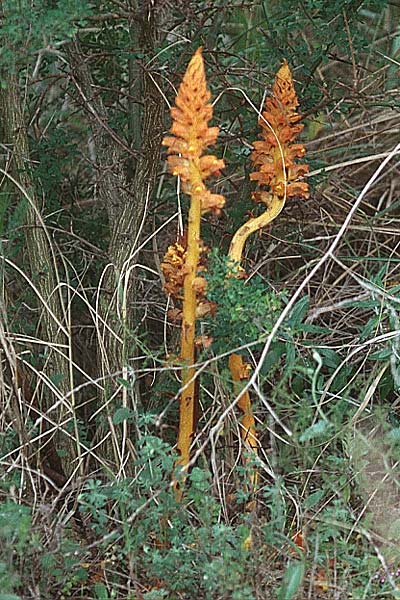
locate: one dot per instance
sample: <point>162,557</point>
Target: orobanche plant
<point>182,262</point>
<point>277,175</point>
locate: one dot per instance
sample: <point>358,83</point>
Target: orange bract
<point>275,153</point>
<point>174,270</point>
<point>192,135</point>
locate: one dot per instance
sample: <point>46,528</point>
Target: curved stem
<point>236,364</point>
<point>253,225</point>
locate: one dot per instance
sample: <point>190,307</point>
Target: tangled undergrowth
<point>87,509</point>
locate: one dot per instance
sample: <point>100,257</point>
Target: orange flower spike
<point>192,135</point>
<point>280,127</point>
<point>274,157</point>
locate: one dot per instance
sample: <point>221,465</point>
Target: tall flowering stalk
<point>277,175</point>
<point>191,136</point>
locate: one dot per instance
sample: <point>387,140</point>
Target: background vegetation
<point>89,386</point>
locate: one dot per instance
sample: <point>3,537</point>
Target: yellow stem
<point>248,426</point>
<point>187,401</point>
<point>253,225</point>
<point>236,365</point>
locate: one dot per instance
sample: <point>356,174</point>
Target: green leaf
<point>273,357</point>
<point>125,383</point>
<point>394,435</point>
<point>309,328</point>
<point>290,355</point>
<point>101,591</point>
<point>122,414</point>
<point>317,430</point>
<point>369,328</point>
<point>9,597</point>
<point>292,580</point>
<point>313,499</point>
<point>381,354</point>
<point>299,312</point>
<point>331,358</point>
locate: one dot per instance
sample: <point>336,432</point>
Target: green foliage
<point>383,323</point>
<point>246,311</point>
<point>24,23</point>
<point>15,537</point>
<point>204,561</point>
<point>22,550</point>
<point>292,580</point>
<point>15,525</point>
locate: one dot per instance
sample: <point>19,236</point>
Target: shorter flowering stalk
<point>277,175</point>
<point>190,137</point>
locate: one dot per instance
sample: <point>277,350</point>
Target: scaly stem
<point>187,401</point>
<point>248,426</point>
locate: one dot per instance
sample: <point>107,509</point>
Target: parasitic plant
<point>191,136</point>
<point>277,176</point>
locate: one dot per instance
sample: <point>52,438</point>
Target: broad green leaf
<point>317,430</point>
<point>292,580</point>
<point>331,358</point>
<point>273,357</point>
<point>313,499</point>
<point>394,435</point>
<point>381,354</point>
<point>101,591</point>
<point>299,312</point>
<point>122,414</point>
<point>124,382</point>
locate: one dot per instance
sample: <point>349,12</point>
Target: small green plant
<point>245,310</point>
<point>15,536</point>
<point>162,544</point>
